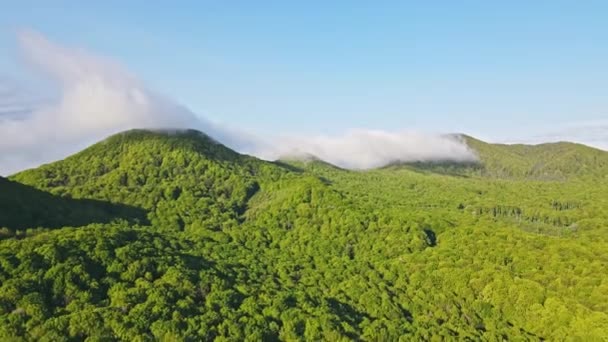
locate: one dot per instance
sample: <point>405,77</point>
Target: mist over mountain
<point>155,233</point>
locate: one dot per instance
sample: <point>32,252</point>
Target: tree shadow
<point>300,170</point>
<point>23,207</point>
<point>288,166</point>
<point>346,312</point>
<point>431,237</point>
<point>448,168</point>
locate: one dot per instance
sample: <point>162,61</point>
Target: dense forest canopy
<point>172,236</point>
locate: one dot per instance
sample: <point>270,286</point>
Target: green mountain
<point>548,162</point>
<point>172,236</point>
<point>177,177</point>
<point>545,161</point>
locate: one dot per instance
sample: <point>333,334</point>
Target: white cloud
<point>98,97</point>
<point>364,149</point>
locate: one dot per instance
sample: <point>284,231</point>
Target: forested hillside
<point>550,161</point>
<point>545,162</point>
<point>172,236</point>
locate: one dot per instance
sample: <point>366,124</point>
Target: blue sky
<point>498,70</point>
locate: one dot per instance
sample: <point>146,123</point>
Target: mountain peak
<point>162,139</point>
<point>143,134</point>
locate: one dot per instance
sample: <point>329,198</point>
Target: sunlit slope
<point>544,162</point>
<point>550,161</point>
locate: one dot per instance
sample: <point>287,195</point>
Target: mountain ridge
<point>494,158</point>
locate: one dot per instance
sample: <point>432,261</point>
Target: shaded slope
<point>307,162</point>
<point>22,207</point>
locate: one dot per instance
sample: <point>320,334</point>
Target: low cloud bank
<point>365,149</point>
<point>97,97</point>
